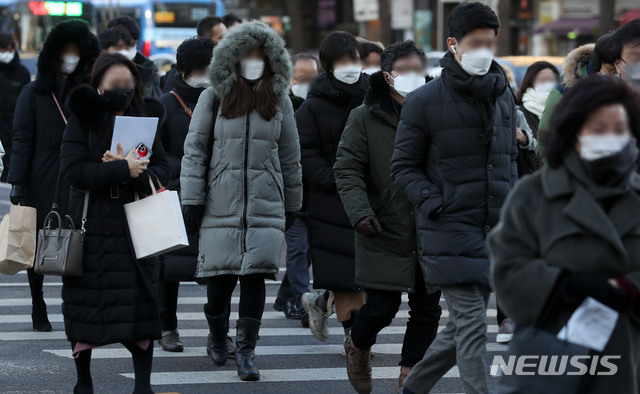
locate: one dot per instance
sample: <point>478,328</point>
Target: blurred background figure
<point>627,44</point>
<point>541,78</point>
<point>13,77</point>
<point>371,52</point>
<point>212,28</point>
<point>231,20</point>
<point>193,58</point>
<point>150,84</point>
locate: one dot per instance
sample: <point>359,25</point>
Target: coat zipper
<point>245,183</point>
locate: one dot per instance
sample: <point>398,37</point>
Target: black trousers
<point>168,292</point>
<point>252,294</point>
<point>380,309</point>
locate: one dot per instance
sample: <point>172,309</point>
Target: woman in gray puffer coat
<point>244,184</point>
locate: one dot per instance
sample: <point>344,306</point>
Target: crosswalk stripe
<point>188,333</point>
<point>181,301</point>
<point>271,375</point>
<point>120,352</point>
<point>281,269</point>
<point>195,316</point>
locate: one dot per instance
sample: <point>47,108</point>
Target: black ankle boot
<point>217,347</point>
<point>82,389</point>
<point>246,338</point>
<point>39,317</point>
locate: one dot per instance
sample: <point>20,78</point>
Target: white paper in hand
<point>591,325</point>
<point>131,131</point>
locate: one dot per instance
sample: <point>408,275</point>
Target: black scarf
<point>186,91</point>
<point>483,90</point>
<point>353,93</point>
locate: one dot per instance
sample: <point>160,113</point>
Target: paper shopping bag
<point>18,239</point>
<point>156,224</point>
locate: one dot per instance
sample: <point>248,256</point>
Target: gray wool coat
<point>552,225</point>
<point>254,174</point>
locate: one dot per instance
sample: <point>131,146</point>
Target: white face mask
<point>545,87</point>
<point>300,90</point>
<point>69,64</point>
<point>371,70</point>
<point>407,83</point>
<point>198,82</point>
<point>7,57</point>
<point>251,69</point>
<point>594,147</point>
<point>476,62</point>
<point>348,74</point>
<point>632,72</point>
<point>129,53</point>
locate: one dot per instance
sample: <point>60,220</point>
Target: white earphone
<point>453,48</point>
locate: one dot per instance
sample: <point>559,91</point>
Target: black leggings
<point>142,363</point>
<point>252,294</point>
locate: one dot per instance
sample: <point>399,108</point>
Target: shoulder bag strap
<point>54,206</point>
<point>59,108</point>
<point>85,210</point>
<point>187,110</point>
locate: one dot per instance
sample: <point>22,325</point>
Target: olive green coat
<point>362,170</point>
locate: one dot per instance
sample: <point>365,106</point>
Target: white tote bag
<point>156,224</point>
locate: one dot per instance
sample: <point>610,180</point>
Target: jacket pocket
<point>223,198</point>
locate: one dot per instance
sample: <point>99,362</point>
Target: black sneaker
<point>289,309</point>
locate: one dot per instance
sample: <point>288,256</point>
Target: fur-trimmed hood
<point>223,71</point>
<point>89,107</point>
<point>577,65</point>
<point>76,31</point>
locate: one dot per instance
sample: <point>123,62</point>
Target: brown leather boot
<point>358,367</point>
<point>404,371</point>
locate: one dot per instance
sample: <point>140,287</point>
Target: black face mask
<point>615,170</point>
<point>118,99</point>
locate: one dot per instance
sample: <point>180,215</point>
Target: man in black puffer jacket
<point>455,159</point>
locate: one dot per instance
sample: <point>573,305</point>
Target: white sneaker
<point>318,319</point>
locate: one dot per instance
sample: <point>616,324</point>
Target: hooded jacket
<point>254,173</point>
<point>576,67</point>
<point>13,77</point>
<point>455,159</point>
<point>388,261</point>
<point>38,124</point>
<point>114,299</point>
<point>150,82</point>
<point>321,120</point>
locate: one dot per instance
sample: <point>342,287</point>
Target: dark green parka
<point>363,177</point>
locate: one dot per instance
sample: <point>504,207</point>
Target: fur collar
<point>223,71</point>
<point>576,59</point>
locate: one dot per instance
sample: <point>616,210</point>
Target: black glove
<point>576,287</point>
<point>289,218</point>
<point>17,194</point>
<point>193,218</point>
<point>369,226</point>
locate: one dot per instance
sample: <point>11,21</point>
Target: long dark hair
<point>532,71</point>
<point>578,103</point>
<point>242,98</point>
<point>107,60</point>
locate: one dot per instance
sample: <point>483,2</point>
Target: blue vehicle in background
<point>163,24</point>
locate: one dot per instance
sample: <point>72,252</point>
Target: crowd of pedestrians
<point>355,165</point>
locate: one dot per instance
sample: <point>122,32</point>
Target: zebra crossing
<point>290,359</point>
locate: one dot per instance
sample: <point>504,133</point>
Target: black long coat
<point>13,77</point>
<point>114,300</point>
<point>321,120</point>
<point>455,159</point>
<point>37,134</point>
<point>180,264</point>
